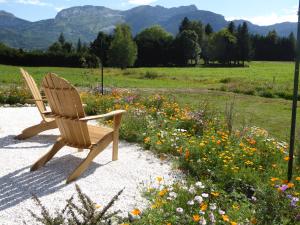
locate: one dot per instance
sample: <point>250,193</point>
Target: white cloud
<point>287,15</point>
<point>33,2</point>
<point>141,2</point>
<point>2,1</point>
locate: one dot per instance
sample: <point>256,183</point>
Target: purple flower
<point>283,188</point>
<point>298,217</point>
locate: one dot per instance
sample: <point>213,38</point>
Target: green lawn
<point>191,86</point>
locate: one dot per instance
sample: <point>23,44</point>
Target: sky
<point>261,12</point>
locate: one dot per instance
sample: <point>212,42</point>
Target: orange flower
<point>136,212</point>
<point>180,150</point>
<point>273,179</point>
<point>162,192</point>
<point>291,185</point>
<point>187,154</point>
<point>225,218</point>
<point>158,143</point>
<point>253,221</point>
<point>196,218</point>
<point>218,142</point>
<point>233,223</point>
<point>286,158</point>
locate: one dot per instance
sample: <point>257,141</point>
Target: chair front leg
<point>42,161</point>
<point>117,124</point>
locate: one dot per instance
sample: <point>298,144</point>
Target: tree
<point>153,46</point>
<point>79,46</point>
<point>208,29</point>
<point>100,47</point>
<point>193,25</point>
<point>185,23</point>
<point>61,39</point>
<point>123,50</point>
<point>221,44</point>
<point>187,48</point>
<point>231,27</point>
<point>243,43</point>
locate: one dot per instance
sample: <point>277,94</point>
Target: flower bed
<point>233,178</point>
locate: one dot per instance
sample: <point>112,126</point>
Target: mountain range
<point>85,22</point>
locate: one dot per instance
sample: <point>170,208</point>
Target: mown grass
<point>191,86</point>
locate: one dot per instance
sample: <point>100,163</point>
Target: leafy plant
<point>86,213</point>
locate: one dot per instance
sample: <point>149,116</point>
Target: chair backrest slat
<point>66,105</point>
<point>31,84</point>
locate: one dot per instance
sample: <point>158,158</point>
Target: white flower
<point>212,218</point>
<point>221,212</point>
<point>199,185</point>
<point>205,195</point>
<point>213,206</point>
<point>201,212</point>
<point>169,198</point>
<point>170,189</point>
<point>198,199</point>
<point>202,221</point>
<point>191,202</point>
<point>184,188</point>
<point>179,210</point>
<point>192,190</point>
<point>173,195</point>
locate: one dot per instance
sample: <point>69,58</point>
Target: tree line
<point>152,47</point>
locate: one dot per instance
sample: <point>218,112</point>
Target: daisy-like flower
<point>179,210</point>
<point>198,199</point>
<point>199,185</point>
<point>213,206</point>
<point>212,218</point>
<point>191,202</point>
<point>221,212</point>
<point>173,195</point>
<point>192,190</point>
<point>205,195</point>
<point>202,221</point>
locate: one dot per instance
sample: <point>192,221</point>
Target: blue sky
<point>262,12</point>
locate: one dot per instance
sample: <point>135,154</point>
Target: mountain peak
<point>7,14</point>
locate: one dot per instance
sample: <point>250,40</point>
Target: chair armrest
<point>46,112</point>
<point>110,114</point>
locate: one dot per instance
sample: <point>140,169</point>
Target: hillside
<point>85,22</point>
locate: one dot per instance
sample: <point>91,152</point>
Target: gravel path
<point>101,181</point>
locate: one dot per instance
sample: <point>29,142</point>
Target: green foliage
<point>153,47</point>
<point>14,95</point>
<point>123,50</point>
<point>86,213</point>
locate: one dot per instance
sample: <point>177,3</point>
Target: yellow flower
<point>203,207</point>
<point>215,194</point>
<point>202,144</point>
<point>158,142</point>
<point>225,218</point>
<point>196,218</point>
<point>136,212</point>
<point>233,223</point>
<point>297,178</point>
<point>159,179</point>
<point>147,140</point>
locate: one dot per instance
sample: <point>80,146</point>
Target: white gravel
<point>101,181</point>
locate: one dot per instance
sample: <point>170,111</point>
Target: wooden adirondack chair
<point>48,121</point>
<point>66,105</point>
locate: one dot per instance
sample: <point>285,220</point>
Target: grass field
<point>193,86</point>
